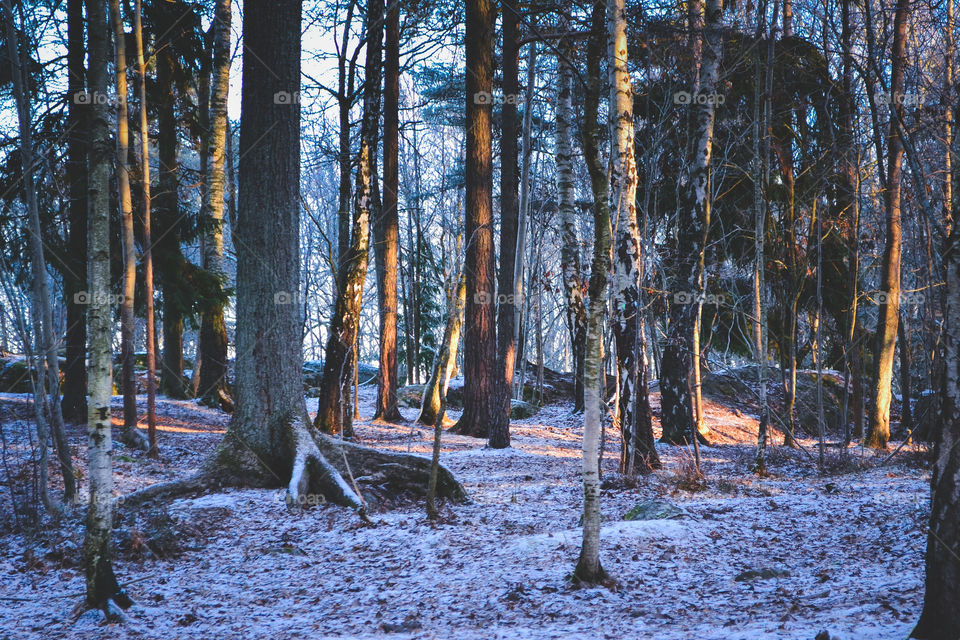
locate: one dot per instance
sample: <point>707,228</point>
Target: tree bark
<point>878,428</point>
<point>573,284</point>
<point>677,376</point>
<point>212,358</point>
<point>589,568</point>
<point>480,406</point>
<point>435,391</point>
<point>345,323</point>
<point>639,454</point>
<point>74,404</point>
<point>387,225</point>
<point>129,434</point>
<point>101,583</point>
<point>509,219</point>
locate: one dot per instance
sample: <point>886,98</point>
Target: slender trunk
<point>212,351</point>
<point>74,405</point>
<point>386,226</point>
<point>677,377</point>
<point>147,238</point>
<point>435,392</point>
<point>589,568</point>
<point>499,436</point>
<point>906,415</point>
<point>46,343</point>
<point>573,284</point>
<point>878,431</point>
<point>129,434</point>
<point>480,349</point>
<point>639,452</point>
<point>523,214</point>
<point>102,586</point>
<point>334,414</point>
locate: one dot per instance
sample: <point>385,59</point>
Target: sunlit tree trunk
<point>386,227</point>
<point>332,413</point>
<point>101,583</point>
<point>878,428</point>
<point>480,350</point>
<point>435,392</point>
<point>212,388</point>
<point>129,434</point>
<point>639,453</point>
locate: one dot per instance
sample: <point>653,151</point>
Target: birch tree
<point>639,454</point>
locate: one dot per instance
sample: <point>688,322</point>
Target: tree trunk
<point>48,392</point>
<point>153,451</point>
<point>509,219</point>
<point>573,284</point>
<point>878,428</point>
<point>480,405</point>
<point>344,325</point>
<point>435,392</point>
<point>170,259</point>
<point>639,454</point>
<point>129,434</point>
<point>74,404</point>
<point>212,356</point>
<point>102,586</point>
<point>386,226</point>
<point>940,619</point>
<point>906,415</point>
<point>589,568</point>
<point>678,414</point>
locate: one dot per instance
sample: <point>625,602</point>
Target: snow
<point>499,567</point>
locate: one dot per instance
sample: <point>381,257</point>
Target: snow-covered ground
<point>781,557</point>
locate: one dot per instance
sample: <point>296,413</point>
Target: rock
<point>653,510</point>
<point>520,410</point>
<point>762,574</point>
<point>14,376</point>
<point>313,373</point>
<point>91,618</point>
<point>823,635</point>
<point>410,396</point>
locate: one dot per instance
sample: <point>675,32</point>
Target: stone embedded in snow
<point>762,574</point>
<point>654,510</point>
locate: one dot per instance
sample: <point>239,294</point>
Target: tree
<point>47,394</point>
<point>573,284</point>
<point>129,434</point>
<point>878,425</point>
<point>153,451</point>
<point>435,391</point>
<point>74,404</point>
<point>333,414</point>
<point>270,442</point>
<point>479,351</point>
<point>589,568</point>
<point>386,226</point>
<point>102,587</point>
<point>680,361</point>
<point>639,454</point>
<point>213,330</point>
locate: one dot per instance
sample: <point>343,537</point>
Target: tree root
<point>323,469</point>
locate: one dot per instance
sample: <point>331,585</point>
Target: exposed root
<point>133,438</point>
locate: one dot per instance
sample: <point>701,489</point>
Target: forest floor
<point>785,556</point>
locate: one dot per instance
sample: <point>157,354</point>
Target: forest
<point>479,319</point>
